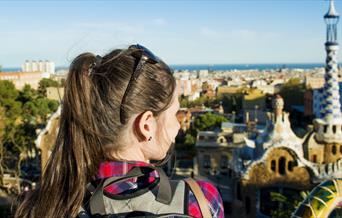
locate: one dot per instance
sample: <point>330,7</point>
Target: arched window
<point>314,158</point>
<point>290,166</point>
<point>325,128</point>
<point>273,165</point>
<point>281,165</point>
<point>333,149</point>
<point>334,128</point>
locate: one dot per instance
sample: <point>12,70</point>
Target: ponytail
<point>76,154</point>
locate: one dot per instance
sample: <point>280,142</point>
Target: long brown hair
<point>90,126</point>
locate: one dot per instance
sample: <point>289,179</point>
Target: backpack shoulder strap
<point>202,201</point>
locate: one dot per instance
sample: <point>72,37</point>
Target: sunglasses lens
<point>152,58</point>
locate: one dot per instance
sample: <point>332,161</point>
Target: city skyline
<point>180,32</point>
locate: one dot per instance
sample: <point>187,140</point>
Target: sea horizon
<point>221,67</point>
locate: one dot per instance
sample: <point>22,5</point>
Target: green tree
<point>208,121</point>
<point>287,204</point>
<point>189,140</point>
<point>2,149</point>
<point>0,68</point>
<point>21,113</point>
<point>27,94</point>
<point>8,95</point>
<point>45,83</point>
<point>293,93</point>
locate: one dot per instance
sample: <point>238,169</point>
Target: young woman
<point>118,112</point>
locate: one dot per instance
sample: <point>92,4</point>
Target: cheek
<point>173,128</point>
<point>169,130</point>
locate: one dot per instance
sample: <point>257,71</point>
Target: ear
<point>144,125</point>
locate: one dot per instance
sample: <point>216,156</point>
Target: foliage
<point>208,121</point>
<point>44,83</point>
<point>189,140</point>
<point>230,102</point>
<point>0,68</point>
<point>293,93</point>
<point>21,113</point>
<point>288,203</point>
<point>2,152</point>
<point>8,95</point>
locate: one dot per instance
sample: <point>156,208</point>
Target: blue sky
<point>180,32</point>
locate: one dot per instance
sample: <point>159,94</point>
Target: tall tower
<point>329,125</point>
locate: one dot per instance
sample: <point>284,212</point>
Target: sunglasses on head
<point>145,56</point>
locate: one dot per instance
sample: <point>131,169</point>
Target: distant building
<point>184,118</point>
<point>279,161</point>
<point>39,66</point>
<point>314,82</point>
<point>19,79</point>
<point>228,90</point>
<point>254,103</point>
<point>55,93</point>
<point>46,137</point>
<point>213,152</point>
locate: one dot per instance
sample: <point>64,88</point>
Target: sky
<point>178,31</point>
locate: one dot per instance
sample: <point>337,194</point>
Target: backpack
<point>162,198</point>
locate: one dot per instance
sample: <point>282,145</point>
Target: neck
<point>130,153</point>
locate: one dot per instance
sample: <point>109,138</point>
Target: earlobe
<point>143,125</point>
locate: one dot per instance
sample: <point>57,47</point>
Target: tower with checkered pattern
<point>329,125</point>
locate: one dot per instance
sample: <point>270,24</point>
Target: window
<point>221,140</point>
<point>281,165</point>
<point>212,138</point>
<point>224,162</point>
<point>333,149</point>
<point>206,161</point>
<point>201,137</point>
<point>273,165</point>
<point>325,128</point>
<point>314,158</point>
<point>341,149</point>
<point>334,128</point>
<point>290,166</point>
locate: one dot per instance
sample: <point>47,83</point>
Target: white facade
<point>47,67</point>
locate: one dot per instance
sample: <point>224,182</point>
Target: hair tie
<point>98,60</point>
<point>93,66</point>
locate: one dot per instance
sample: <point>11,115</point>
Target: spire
<point>278,105</point>
<point>331,109</point>
<point>332,11</point>
<point>328,127</point>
